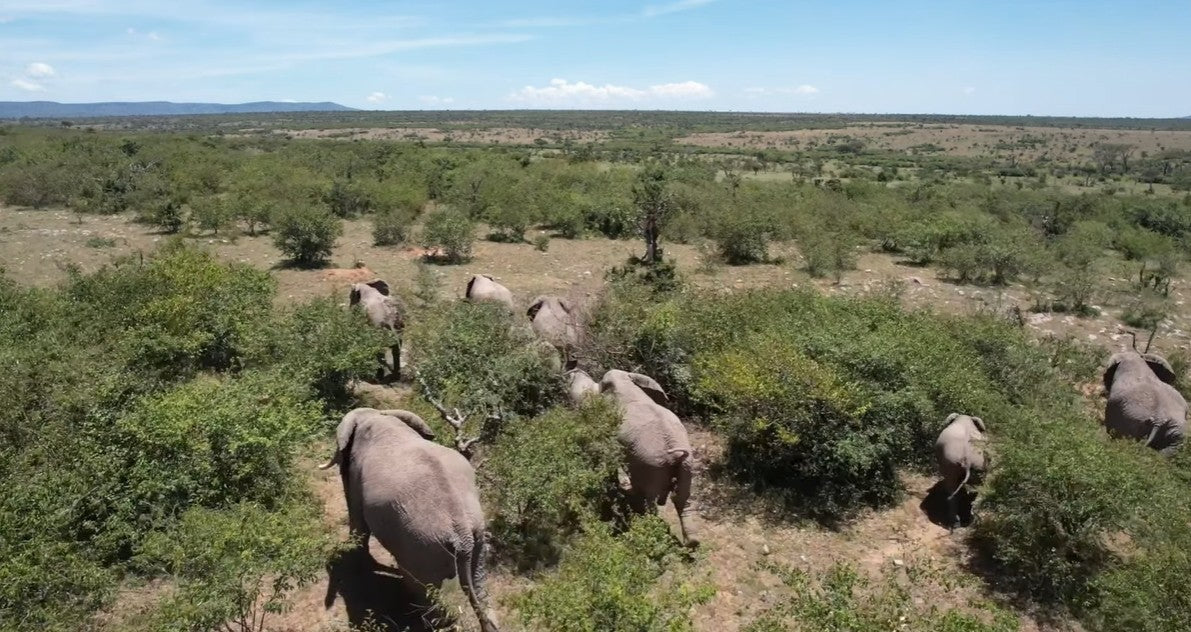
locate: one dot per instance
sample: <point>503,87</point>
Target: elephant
<point>580,386</point>
<point>553,320</point>
<point>384,312</point>
<point>959,451</point>
<point>417,497</point>
<point>660,457</point>
<point>1142,404</point>
<point>482,287</point>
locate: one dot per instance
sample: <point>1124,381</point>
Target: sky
<point>1045,57</point>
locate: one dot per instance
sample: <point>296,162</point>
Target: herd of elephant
<point>420,499</point>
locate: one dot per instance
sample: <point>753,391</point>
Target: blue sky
<point>1059,57</point>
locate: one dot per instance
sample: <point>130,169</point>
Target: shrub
<point>346,200</point>
<point>541,243</point>
<point>795,424</point>
<point>321,345</point>
<point>472,357</point>
<point>236,566</point>
<point>743,238</point>
<point>168,216</point>
<point>208,443</point>
<point>540,502</point>
<point>608,583</point>
<point>828,253</point>
<point>841,599</point>
<point>211,214</point>
<point>391,227</point>
<point>306,235</point>
<point>450,234</point>
<point>100,242</point>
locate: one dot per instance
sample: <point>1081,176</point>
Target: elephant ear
<point>566,305</point>
<point>1111,372</point>
<point>413,421</point>
<point>470,284</point>
<point>379,285</point>
<point>651,388</point>
<point>344,435</point>
<point>355,296</point>
<point>535,307</point>
<point>1160,367</point>
<point>979,423</point>
<point>950,418</point>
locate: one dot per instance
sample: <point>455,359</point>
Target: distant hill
<point>52,109</point>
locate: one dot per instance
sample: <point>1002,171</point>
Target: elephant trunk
<point>332,463</point>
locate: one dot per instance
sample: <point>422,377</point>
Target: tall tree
<point>655,205</point>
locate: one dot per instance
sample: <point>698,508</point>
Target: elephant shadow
<point>375,596</point>
<point>934,506</point>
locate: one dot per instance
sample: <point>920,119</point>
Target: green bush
<point>843,600</point>
<point>607,583</point>
<point>743,238</point>
<point>795,424</point>
<point>346,200</point>
<point>539,503</point>
<point>828,253</point>
<point>390,227</point>
<point>209,443</point>
<point>321,345</point>
<point>472,357</point>
<point>211,213</point>
<point>306,235</point>
<point>236,566</point>
<point>541,243</point>
<point>450,234</point>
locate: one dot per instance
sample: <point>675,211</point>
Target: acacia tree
<point>655,205</point>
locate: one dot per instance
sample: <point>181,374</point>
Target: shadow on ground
<point>376,598</point>
<point>934,506</point>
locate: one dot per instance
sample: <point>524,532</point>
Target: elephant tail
<point>967,475</point>
<point>470,567</point>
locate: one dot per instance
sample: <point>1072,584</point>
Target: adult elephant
<point>482,287</point>
<point>417,497</point>
<point>554,320</point>
<point>385,312</point>
<point>1142,403</point>
<point>660,457</point>
<point>959,451</point>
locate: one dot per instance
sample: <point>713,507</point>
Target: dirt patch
<point>485,136</point>
<point>1026,143</point>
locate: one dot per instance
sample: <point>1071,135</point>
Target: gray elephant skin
<point>384,312</point>
<point>482,287</point>
<point>660,457</point>
<point>580,386</point>
<point>554,320</point>
<point>959,451</point>
<point>418,498</point>
<point>1142,404</point>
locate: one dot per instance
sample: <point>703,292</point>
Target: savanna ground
<point>748,538</point>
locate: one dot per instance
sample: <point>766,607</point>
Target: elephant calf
<point>660,457</point>
<point>1142,404</point>
<point>554,320</point>
<point>482,287</point>
<point>417,497</point>
<point>580,386</point>
<point>960,454</point>
<point>384,312</point>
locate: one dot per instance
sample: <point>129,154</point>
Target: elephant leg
<point>636,501</point>
<point>470,567</point>
<point>682,495</point>
<point>396,350</point>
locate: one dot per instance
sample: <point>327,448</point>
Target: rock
<point>899,563</point>
<point>916,281</point>
<point>764,549</point>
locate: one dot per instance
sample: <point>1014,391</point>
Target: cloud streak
<point>25,84</point>
<point>673,7</point>
<point>563,92</point>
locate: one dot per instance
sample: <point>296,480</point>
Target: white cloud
<point>434,100</point>
<point>25,84</point>
<point>376,97</point>
<point>673,7</point>
<point>543,22</point>
<point>969,90</point>
<point>562,91</point>
<point>152,35</point>
<point>684,90</point>
<point>805,89</point>
<point>39,70</point>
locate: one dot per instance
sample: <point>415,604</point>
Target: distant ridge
<point>52,109</point>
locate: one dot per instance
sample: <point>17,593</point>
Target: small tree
<point>450,233</point>
<point>654,207</point>
<point>306,235</point>
<point>390,227</point>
